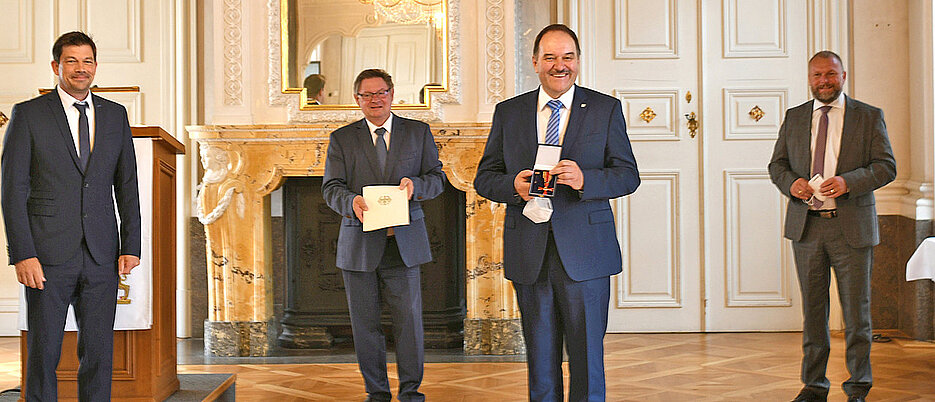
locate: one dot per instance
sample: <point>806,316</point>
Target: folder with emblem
<point>386,206</point>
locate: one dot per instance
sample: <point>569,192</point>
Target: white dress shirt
<point>388,125</point>
<point>833,146</point>
<point>72,114</point>
<point>544,112</point>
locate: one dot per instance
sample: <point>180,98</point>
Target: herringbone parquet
<point>639,367</point>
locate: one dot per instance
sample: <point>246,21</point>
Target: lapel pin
<point>584,104</point>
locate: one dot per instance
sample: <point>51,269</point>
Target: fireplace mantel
<point>244,163</point>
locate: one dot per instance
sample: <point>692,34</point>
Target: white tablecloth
<point>922,263</point>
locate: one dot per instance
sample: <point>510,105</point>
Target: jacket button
<point>86,185</point>
<point>84,215</point>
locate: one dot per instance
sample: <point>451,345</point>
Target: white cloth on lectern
<point>138,314</point>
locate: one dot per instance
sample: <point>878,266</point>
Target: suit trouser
<point>823,246</point>
<point>92,289</point>
<point>401,287</point>
<point>555,309</point>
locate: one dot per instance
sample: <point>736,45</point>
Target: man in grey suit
<point>60,220</point>
<point>845,141</point>
<point>383,149</point>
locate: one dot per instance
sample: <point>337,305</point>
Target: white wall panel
<point>646,29</point>
<point>663,103</point>
<point>754,28</point>
<point>758,260</point>
<point>739,105</point>
<point>648,231</point>
<point>17,31</point>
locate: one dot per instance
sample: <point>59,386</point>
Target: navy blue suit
<point>65,217</point>
<point>561,268</point>
<point>373,263</point>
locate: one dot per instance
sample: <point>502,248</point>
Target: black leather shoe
<point>807,395</point>
<point>855,398</point>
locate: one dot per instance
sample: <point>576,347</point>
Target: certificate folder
<point>386,206</point>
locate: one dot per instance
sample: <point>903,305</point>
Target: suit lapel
<point>397,142</point>
<point>579,109</point>
<point>366,145</point>
<point>58,113</point>
<point>528,144</point>
<point>851,122</point>
<point>803,131</point>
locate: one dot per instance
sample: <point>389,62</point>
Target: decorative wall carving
<point>495,51</point>
<point>233,53</point>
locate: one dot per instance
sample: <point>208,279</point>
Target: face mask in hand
<point>538,210</point>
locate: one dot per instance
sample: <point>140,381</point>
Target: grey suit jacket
<point>865,161</point>
<point>352,164</point>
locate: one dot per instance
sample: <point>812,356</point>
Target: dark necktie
<point>818,162</point>
<point>381,147</point>
<point>84,135</point>
<point>551,130</point>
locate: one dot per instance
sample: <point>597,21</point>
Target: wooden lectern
<point>144,360</point>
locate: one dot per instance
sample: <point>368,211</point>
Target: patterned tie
<point>381,147</point>
<point>818,162</point>
<point>84,135</point>
<point>551,131</point>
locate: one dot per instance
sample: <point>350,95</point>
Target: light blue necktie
<point>551,131</point>
<point>381,148</point>
<point>84,135</point>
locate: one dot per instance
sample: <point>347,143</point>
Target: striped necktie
<point>551,131</point>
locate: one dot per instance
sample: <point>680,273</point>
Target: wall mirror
<point>326,43</point>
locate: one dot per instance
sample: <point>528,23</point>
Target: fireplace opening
<point>314,313</point>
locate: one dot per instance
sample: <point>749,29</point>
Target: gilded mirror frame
<point>304,104</point>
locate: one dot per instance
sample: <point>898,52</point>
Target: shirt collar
<point>835,104</point>
<point>68,100</point>
<point>388,125</point>
<point>566,98</point>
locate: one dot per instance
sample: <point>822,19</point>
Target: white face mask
<point>538,210</point>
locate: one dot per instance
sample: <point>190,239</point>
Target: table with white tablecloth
<point>922,263</point>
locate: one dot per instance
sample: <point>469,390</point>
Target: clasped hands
<point>360,205</point>
<point>566,172</point>
<point>29,271</point>
<point>833,187</point>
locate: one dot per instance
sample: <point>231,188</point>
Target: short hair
<point>314,83</point>
<point>827,54</point>
<point>555,27</point>
<point>373,73</point>
<point>73,38</point>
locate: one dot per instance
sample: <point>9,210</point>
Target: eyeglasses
<point>370,95</point>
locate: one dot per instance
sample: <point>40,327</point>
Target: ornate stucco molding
<point>291,101</point>
<point>233,53</point>
<point>494,51</point>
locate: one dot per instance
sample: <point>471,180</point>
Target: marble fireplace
<point>243,164</point>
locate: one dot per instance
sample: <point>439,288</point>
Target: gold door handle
<point>692,124</point>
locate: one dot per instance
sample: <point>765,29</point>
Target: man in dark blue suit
<point>561,268</point>
<point>383,149</point>
<point>67,156</point>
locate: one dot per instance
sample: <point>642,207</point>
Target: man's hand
<point>521,184</point>
<point>29,273</point>
<point>833,187</point>
<point>800,189</point>
<point>126,263</point>
<point>359,207</point>
<point>568,173</point>
<point>406,183</point>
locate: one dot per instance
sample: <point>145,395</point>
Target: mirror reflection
<point>329,41</point>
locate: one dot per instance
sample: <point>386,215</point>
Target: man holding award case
<point>391,157</point>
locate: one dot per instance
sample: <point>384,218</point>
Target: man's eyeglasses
<point>370,95</point>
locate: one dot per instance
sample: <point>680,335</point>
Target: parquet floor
<point>639,367</point>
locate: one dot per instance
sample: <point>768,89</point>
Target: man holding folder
<point>383,149</point>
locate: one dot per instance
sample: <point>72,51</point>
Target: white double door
<point>702,236</point>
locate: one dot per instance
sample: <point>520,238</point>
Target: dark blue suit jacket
<point>352,164</point>
<point>49,204</point>
<point>582,223</point>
